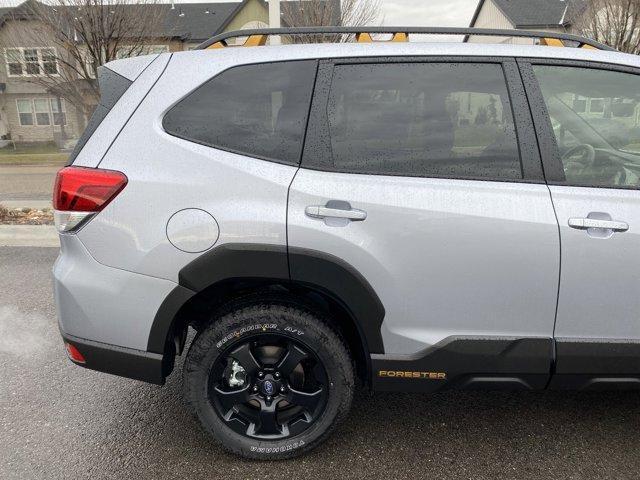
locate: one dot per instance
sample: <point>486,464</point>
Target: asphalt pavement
<point>61,421</point>
<point>27,183</point>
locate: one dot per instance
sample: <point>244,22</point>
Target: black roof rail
<point>258,36</point>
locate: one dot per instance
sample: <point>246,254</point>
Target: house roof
<point>535,13</point>
<point>196,24</point>
<point>188,21</point>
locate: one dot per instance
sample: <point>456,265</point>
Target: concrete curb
<point>28,236</point>
<point>34,204</point>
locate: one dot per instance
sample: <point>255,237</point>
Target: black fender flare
<point>325,273</point>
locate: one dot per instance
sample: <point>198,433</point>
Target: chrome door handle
<point>586,223</point>
<point>321,211</point>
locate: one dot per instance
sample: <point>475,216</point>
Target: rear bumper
<point>108,314</point>
<point>105,304</point>
<point>125,362</point>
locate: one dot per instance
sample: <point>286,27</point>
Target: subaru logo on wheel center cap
<point>267,387</point>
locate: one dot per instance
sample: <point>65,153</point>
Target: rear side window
<point>257,110</point>
<point>423,119</point>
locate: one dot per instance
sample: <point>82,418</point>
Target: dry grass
<point>25,216</point>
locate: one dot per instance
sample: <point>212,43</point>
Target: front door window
<point>596,120</point>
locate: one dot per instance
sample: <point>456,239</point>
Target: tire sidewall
<point>240,325</point>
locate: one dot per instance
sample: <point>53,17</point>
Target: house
<point>557,16</point>
<point>28,114</point>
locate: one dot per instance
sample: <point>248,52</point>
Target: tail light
<point>80,193</point>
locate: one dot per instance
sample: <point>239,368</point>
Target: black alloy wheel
<point>270,378</point>
<point>268,386</point>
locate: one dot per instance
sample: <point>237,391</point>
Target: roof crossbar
<point>258,36</point>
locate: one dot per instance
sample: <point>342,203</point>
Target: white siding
<point>490,16</point>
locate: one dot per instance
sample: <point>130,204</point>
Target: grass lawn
<point>32,155</point>
<point>34,159</point>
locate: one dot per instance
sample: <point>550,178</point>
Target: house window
<point>579,104</point>
<point>59,117</point>
<point>41,111</point>
<point>25,62</point>
<point>49,61</point>
<point>25,112</point>
<point>596,105</point>
<point>14,61</point>
<point>31,62</point>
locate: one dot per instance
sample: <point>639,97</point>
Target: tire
<point>317,392</point>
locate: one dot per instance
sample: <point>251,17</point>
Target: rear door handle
<point>586,223</point>
<point>322,211</point>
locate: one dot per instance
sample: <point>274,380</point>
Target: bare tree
<point>319,13</point>
<point>80,36</point>
<point>613,22</point>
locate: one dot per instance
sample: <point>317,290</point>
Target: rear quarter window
<point>257,110</point>
<point>112,87</point>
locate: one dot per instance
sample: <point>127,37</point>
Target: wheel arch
<point>232,270</point>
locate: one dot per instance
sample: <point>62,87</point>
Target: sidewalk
<point>27,203</point>
<point>28,236</point>
<point>26,181</point>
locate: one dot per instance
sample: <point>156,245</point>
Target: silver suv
<point>410,216</point>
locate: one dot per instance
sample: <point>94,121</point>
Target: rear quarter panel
<point>97,146</point>
<point>246,196</point>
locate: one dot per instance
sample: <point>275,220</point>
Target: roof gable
<point>535,13</point>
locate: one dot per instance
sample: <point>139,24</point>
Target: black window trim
<point>112,87</point>
<point>236,151</point>
<point>549,149</point>
<point>317,137</point>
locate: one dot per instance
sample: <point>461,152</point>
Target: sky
<point>426,13</point>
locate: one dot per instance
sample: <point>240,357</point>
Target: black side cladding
<point>468,363</point>
<point>112,87</point>
<point>314,270</point>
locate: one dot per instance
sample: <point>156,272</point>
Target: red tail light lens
<point>74,353</point>
<point>79,189</point>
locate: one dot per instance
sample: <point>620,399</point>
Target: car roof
<point>244,55</point>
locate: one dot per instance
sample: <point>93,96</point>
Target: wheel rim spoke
<point>245,357</point>
<point>304,399</point>
<point>231,398</point>
<point>268,422</point>
<point>292,357</point>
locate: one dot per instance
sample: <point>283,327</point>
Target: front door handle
<point>330,211</point>
<point>586,223</point>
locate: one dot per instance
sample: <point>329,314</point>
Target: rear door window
<point>423,119</point>
<point>257,110</point>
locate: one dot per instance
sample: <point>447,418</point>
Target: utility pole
<point>274,19</point>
